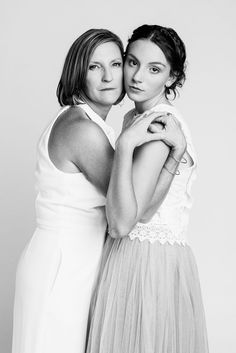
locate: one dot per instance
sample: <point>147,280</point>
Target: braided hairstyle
<point>171,45</point>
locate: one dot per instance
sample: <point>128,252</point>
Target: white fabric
<point>57,269</point>
<point>169,224</point>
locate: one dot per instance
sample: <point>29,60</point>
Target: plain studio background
<point>35,37</point>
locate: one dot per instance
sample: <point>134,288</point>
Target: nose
<point>138,76</point>
<point>107,75</point>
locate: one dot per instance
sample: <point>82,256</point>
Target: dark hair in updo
<point>171,45</point>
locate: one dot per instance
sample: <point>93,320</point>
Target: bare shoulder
<point>73,127</point>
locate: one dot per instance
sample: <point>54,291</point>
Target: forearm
<point>163,184</point>
<point>121,205</point>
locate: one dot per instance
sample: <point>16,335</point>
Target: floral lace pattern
<point>153,232</point>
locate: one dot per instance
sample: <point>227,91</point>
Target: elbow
<point>119,225</point>
<point>119,231</point>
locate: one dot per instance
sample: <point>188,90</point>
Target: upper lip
<point>132,86</point>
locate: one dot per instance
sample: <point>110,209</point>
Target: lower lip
<point>136,90</point>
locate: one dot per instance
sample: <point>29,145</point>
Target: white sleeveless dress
<point>148,297</point>
<point>57,269</point>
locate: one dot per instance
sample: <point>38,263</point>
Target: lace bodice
<point>170,222</point>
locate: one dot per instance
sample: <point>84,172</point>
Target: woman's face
<point>104,79</point>
<point>146,72</point>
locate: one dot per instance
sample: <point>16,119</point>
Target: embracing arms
<point>77,144</point>
<point>139,183</point>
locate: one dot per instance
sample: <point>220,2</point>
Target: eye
<point>117,64</point>
<point>93,67</point>
<point>132,62</point>
<point>154,70</point>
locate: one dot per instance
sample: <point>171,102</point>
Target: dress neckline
<point>109,131</point>
<point>93,115</point>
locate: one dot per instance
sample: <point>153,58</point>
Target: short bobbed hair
<point>71,87</point>
<point>173,48</point>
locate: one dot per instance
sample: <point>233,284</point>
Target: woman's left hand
<point>137,130</point>
<point>172,133</point>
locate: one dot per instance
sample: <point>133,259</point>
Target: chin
<point>135,96</point>
<point>111,100</point>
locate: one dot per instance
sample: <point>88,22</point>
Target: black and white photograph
<point>118,177</point>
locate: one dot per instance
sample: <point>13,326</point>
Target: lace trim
<point>154,232</point>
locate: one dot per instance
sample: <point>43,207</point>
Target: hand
<point>137,130</point>
<point>171,133</point>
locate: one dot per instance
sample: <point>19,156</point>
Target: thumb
<point>153,127</point>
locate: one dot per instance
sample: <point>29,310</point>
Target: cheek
<point>127,72</point>
<point>92,83</point>
<point>119,75</point>
<point>89,87</point>
<point>156,84</point>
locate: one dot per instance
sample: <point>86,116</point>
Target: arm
<point>134,176</point>
<point>77,144</point>
<point>137,190</point>
<point>174,138</point>
<point>162,187</point>
<point>92,154</point>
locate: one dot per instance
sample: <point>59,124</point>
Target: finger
<point>153,117</point>
<point>144,121</point>
<point>155,127</point>
<point>169,117</point>
<point>163,119</point>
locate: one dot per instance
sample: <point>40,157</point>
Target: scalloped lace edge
<point>156,232</point>
<point>161,240</point>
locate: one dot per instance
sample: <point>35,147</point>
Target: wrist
<point>171,165</point>
<point>124,143</point>
<point>178,152</point>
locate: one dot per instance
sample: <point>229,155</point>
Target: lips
<point>107,89</point>
<point>134,88</point>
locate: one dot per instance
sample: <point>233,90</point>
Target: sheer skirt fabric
<point>147,300</point>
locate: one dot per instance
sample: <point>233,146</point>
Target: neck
<point>141,107</point>
<point>101,110</point>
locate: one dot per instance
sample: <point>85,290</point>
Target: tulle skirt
<point>147,300</point>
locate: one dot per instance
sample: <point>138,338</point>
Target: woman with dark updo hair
<point>148,297</point>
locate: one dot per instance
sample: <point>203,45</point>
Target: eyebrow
<point>99,62</point>
<point>152,63</point>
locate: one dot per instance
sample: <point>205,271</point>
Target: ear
<point>170,81</point>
